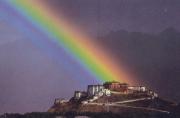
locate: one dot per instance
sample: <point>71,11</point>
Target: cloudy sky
<point>31,79</point>
<point>107,15</point>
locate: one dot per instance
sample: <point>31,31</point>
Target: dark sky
<point>131,15</point>
<point>31,79</point>
<point>154,58</point>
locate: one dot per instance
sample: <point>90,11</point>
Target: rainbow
<point>85,51</point>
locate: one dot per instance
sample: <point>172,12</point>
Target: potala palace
<point>94,92</point>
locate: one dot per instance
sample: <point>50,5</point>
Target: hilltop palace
<point>107,89</point>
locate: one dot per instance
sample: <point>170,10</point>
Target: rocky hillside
<point>117,99</point>
<point>117,104</point>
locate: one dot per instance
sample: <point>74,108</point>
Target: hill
<point>110,100</point>
<point>120,101</point>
